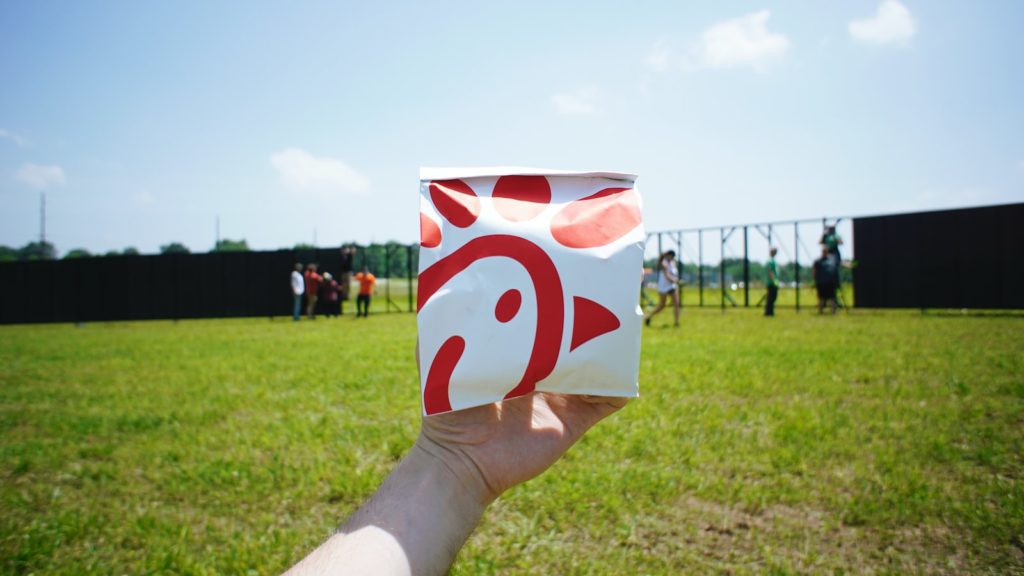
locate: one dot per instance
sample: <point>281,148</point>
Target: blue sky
<point>144,121</point>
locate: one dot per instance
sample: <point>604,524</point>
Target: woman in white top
<point>668,285</point>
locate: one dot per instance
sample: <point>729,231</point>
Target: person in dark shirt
<point>831,240</point>
<point>771,281</point>
<point>826,279</point>
<point>329,296</point>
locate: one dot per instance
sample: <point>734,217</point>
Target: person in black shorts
<point>771,282</point>
<point>826,279</point>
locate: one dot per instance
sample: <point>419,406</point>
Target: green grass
<point>690,297</point>
<point>863,443</point>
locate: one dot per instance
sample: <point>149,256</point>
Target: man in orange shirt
<point>367,283</point>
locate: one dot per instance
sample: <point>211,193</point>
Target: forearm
<point>415,524</point>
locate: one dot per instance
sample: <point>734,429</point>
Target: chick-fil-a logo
<point>595,220</point>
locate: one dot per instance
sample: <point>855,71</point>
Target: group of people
<point>323,293</point>
<point>825,270</point>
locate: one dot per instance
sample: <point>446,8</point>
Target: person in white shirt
<point>298,288</point>
<point>668,286</point>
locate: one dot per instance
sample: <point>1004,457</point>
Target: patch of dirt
<point>802,539</point>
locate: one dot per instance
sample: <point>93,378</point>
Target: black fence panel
<point>168,286</point>
<point>967,258</point>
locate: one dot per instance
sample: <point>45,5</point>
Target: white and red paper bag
<point>528,280</point>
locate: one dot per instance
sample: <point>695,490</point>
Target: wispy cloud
<point>892,23</point>
<point>304,173</point>
<point>744,42</point>
<point>741,42</point>
<point>579,103</point>
<point>41,177</point>
<point>17,139</point>
<point>660,57</point>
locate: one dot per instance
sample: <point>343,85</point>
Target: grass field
<point>690,297</point>
<point>863,443</point>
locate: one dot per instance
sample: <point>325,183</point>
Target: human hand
<point>494,447</point>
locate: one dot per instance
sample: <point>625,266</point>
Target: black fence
<point>967,258</point>
<point>173,286</point>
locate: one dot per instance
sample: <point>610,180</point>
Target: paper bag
<point>528,280</point>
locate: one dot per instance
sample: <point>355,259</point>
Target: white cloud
<point>659,58</point>
<point>302,172</point>
<point>18,140</point>
<point>41,177</point>
<point>579,103</point>
<point>891,23</point>
<point>743,41</point>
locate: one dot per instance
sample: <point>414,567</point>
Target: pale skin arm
<point>669,271</point>
<point>431,502</point>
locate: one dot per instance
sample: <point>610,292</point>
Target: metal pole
<point>42,217</point>
<point>659,256</point>
<point>746,271</point>
<point>700,265</point>
<point>796,261</point>
<point>387,273</point>
<point>679,265</point>
<point>721,266</point>
<point>408,272</point>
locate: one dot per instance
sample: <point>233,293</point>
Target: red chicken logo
<point>515,221</point>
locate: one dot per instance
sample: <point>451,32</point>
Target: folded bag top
<point>529,279</point>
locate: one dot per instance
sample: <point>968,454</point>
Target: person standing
<point>330,295</point>
<point>772,282</point>
<point>367,282</point>
<point>826,279</point>
<point>313,281</point>
<point>831,241</point>
<point>668,285</point>
<point>298,288</point>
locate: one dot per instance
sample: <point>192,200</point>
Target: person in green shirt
<point>831,240</point>
<point>772,282</point>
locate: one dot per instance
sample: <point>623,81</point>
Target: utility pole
<point>216,242</point>
<point>42,217</point>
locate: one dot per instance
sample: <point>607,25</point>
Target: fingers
<point>615,402</point>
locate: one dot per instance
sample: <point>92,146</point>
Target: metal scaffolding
<point>772,234</point>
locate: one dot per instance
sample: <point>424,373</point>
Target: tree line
<point>387,259</point>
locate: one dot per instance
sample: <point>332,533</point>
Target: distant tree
<point>112,253</point>
<point>77,253</point>
<point>37,251</point>
<point>174,248</point>
<point>383,259</point>
<point>131,251</point>
<point>8,254</point>
<point>304,246</point>
<point>227,245</point>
